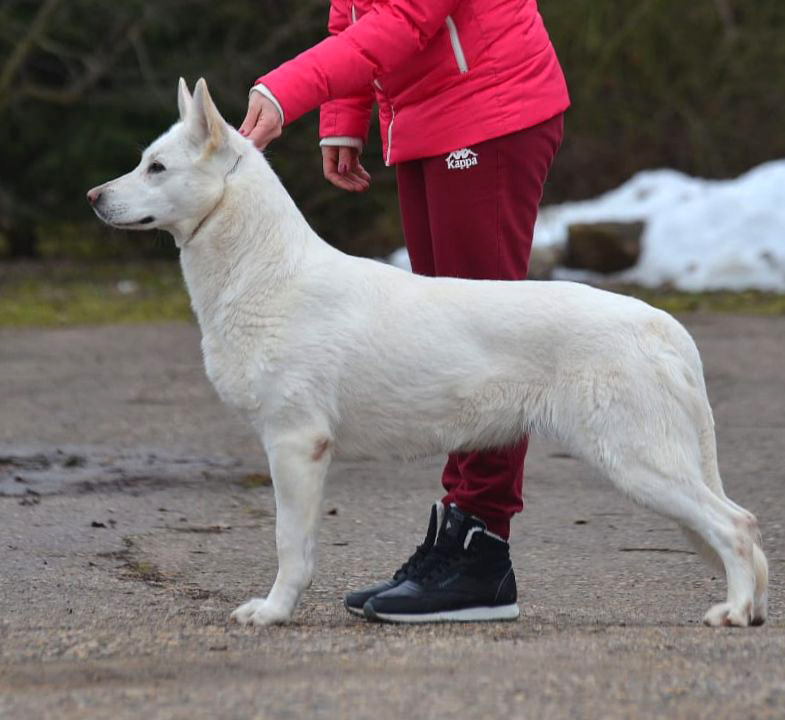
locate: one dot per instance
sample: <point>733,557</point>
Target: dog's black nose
<point>93,196</point>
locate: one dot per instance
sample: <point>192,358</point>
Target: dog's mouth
<point>144,221</point>
<point>147,220</point>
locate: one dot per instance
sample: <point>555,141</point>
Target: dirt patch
<point>121,569</point>
<point>95,470</point>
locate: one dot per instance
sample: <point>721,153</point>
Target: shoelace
<point>440,560</point>
<point>412,563</point>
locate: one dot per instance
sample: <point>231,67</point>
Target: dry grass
<point>64,294</point>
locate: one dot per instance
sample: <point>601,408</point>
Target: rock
<point>543,261</point>
<point>604,247</point>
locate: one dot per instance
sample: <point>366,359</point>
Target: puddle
<point>30,474</point>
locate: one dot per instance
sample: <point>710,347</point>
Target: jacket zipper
<point>460,60</point>
<point>457,48</point>
<point>389,135</point>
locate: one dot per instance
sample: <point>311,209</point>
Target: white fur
<point>335,355</point>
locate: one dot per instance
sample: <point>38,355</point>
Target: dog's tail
<point>708,446</point>
<point>700,410</point>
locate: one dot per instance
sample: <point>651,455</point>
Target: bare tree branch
<point>23,48</point>
<point>146,67</point>
<point>96,67</point>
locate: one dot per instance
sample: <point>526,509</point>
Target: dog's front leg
<point>299,465</point>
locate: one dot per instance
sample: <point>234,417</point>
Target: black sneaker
<point>354,601</point>
<point>467,576</point>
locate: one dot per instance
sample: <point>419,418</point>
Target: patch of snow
<point>699,234</point>
<point>400,259</point>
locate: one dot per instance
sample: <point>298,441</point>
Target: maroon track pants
<point>471,214</point>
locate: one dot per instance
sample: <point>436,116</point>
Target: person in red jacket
<point>471,100</point>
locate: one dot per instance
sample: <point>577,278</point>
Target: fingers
<point>349,157</point>
<point>363,173</point>
<point>341,167</point>
<point>350,182</point>
<point>267,129</point>
<point>346,159</point>
<point>329,160</point>
<point>254,109</point>
<point>344,182</point>
<point>262,122</point>
<point>361,181</point>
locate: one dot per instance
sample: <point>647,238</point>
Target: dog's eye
<point>155,168</point>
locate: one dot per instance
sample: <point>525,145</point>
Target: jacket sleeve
<point>347,117</point>
<point>346,64</point>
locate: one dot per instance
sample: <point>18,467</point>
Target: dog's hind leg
<point>676,489</point>
<point>645,422</point>
<point>299,463</point>
<point>711,476</point>
<point>720,528</point>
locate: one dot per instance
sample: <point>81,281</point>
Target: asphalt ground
<point>136,513</point>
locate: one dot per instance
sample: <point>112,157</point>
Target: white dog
<point>329,355</point>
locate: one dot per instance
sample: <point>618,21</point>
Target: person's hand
<point>342,168</point>
<point>263,122</point>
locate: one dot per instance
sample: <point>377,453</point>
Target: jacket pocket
<point>457,48</point>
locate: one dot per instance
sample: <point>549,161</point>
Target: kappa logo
<point>461,159</point>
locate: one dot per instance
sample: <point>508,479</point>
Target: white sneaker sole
<point>354,611</point>
<point>475,614</point>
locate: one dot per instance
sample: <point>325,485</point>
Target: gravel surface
<point>136,513</point>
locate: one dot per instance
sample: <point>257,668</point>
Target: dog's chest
<point>238,370</point>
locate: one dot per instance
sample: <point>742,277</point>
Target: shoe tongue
<point>433,528</point>
<point>456,524</point>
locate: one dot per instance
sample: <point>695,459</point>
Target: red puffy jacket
<point>445,73</point>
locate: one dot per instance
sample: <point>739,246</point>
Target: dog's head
<point>181,177</point>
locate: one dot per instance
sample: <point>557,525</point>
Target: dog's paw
<point>260,611</point>
<point>725,614</point>
<point>760,608</point>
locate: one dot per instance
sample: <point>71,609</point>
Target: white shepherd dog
<point>332,355</point>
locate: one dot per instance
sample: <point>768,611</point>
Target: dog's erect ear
<point>184,100</point>
<point>204,122</point>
